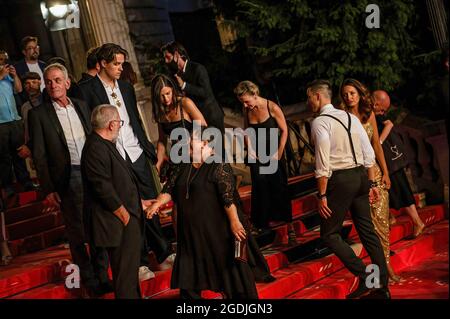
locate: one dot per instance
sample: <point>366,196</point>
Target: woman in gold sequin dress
<point>357,100</point>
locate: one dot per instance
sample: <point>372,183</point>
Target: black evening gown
<point>270,194</point>
<point>205,248</point>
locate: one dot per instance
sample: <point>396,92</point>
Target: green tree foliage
<point>301,40</point>
<point>329,39</point>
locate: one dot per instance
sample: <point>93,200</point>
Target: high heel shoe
<point>393,277</point>
<point>392,220</point>
<point>419,230</point>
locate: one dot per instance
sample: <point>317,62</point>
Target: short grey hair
<point>102,115</point>
<point>58,66</point>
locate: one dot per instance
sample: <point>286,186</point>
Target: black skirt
<point>400,194</point>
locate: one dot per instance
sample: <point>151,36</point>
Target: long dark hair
<point>128,73</point>
<point>157,84</point>
<point>366,102</point>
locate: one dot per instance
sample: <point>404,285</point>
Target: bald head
<point>382,102</point>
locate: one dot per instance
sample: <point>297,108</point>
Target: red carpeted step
<point>288,281</point>
<point>34,225</point>
<point>28,197</point>
<point>408,253</point>
<point>32,270</point>
<point>49,291</point>
<point>304,205</point>
<point>160,283</point>
<point>18,214</point>
<point>404,226</point>
<point>37,242</point>
<point>175,294</point>
<point>290,278</point>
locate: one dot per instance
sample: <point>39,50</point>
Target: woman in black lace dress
<point>209,222</point>
<point>171,110</point>
<point>270,195</point>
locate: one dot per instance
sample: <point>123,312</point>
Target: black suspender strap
<point>347,130</point>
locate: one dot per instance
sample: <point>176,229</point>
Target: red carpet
<point>40,275</point>
<point>423,262</point>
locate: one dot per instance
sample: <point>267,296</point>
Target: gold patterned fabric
<point>380,209</point>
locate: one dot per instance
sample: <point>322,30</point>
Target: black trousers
<point>348,190</point>
<point>153,237</point>
<point>12,137</point>
<point>93,269</point>
<point>125,262</point>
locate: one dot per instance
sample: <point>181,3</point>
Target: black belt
<point>76,167</point>
<point>340,171</point>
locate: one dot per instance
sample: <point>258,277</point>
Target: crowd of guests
<point>94,161</point>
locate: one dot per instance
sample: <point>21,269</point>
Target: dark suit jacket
<point>108,183</point>
<point>94,94</point>
<point>49,146</point>
<point>22,67</point>
<point>198,88</point>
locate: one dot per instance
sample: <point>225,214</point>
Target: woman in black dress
<point>270,194</point>
<point>171,110</point>
<point>209,223</point>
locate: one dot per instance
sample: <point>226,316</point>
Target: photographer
<point>12,149</point>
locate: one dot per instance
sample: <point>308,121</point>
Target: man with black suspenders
<point>342,153</point>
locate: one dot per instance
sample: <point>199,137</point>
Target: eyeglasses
<point>32,48</point>
<point>116,99</point>
<point>120,121</point>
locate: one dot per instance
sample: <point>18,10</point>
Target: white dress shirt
<point>127,142</point>
<point>332,145</point>
<point>73,130</point>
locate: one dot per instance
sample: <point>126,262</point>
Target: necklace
<point>189,180</point>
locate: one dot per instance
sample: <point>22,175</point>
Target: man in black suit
<point>92,65</point>
<point>58,131</point>
<point>193,80</point>
<point>132,143</point>
<point>112,199</point>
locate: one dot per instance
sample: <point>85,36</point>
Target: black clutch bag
<point>240,250</point>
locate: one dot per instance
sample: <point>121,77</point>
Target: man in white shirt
<point>58,131</point>
<point>132,143</point>
<point>343,153</point>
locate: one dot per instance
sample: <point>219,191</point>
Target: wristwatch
<point>320,196</point>
<point>372,184</point>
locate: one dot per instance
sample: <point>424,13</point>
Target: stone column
<point>438,21</point>
<point>109,25</point>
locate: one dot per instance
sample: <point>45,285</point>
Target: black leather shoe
<point>105,287</point>
<point>360,291</point>
<point>269,278</point>
<point>379,293</point>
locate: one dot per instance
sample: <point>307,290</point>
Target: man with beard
<point>193,79</point>
<point>111,198</point>
<point>31,62</point>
